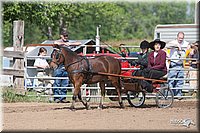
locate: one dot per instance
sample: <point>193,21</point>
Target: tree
<point>119,20</point>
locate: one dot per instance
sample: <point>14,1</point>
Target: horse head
<point>57,57</point>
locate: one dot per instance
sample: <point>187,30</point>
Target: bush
<point>9,95</point>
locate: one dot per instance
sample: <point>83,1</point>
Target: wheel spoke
<point>136,99</point>
<point>164,97</point>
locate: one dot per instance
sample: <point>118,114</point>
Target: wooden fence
<point>16,72</point>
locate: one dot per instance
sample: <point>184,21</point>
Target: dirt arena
<point>58,117</point>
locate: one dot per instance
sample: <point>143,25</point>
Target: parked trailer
<point>168,32</point>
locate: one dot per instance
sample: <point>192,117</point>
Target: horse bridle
<point>57,56</point>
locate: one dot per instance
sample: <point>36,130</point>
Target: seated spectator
<point>156,64</point>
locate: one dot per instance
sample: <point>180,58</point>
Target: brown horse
<point>83,70</point>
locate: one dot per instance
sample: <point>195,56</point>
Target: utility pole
<point>98,40</point>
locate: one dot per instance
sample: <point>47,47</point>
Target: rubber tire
<point>166,97</point>
<point>132,103</point>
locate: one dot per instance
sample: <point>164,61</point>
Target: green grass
<point>9,95</point>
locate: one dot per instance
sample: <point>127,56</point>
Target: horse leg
<point>102,86</point>
<point>116,83</point>
<point>75,94</point>
<point>86,104</point>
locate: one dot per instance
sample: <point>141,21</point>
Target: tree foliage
<point>118,20</point>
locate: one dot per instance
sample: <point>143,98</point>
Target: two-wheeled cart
<point>135,95</point>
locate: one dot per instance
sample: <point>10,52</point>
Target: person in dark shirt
<point>142,61</point>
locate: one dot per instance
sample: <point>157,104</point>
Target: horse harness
<point>88,74</point>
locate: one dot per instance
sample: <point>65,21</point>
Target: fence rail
<point>14,54</point>
<point>15,72</point>
<point>22,73</point>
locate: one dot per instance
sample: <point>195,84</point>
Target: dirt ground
<point>58,117</point>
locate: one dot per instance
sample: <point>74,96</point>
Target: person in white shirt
<point>42,64</point>
<point>178,49</point>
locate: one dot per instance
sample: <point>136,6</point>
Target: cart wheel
<point>136,99</point>
<point>164,97</point>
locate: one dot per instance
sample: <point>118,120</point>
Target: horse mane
<point>69,51</point>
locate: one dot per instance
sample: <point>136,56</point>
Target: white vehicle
<point>169,32</point>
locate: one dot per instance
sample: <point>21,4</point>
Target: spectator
<point>178,49</point>
<point>42,64</point>
<point>62,92</point>
<point>142,58</point>
<point>124,51</point>
<point>64,40</point>
<point>194,53</point>
<point>60,70</point>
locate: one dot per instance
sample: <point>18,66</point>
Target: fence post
<point>18,42</point>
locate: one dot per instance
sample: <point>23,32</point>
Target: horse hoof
<point>88,108</point>
<point>121,105</point>
<point>100,107</point>
<point>72,108</point>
